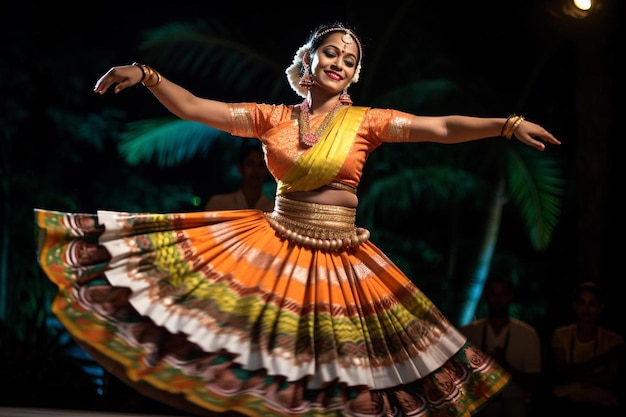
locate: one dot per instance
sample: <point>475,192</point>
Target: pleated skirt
<point>220,312</point>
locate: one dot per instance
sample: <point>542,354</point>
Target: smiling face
<point>334,62</point>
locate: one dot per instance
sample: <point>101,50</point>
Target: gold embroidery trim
<point>316,226</point>
<point>242,121</point>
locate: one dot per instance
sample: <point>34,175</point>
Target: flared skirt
<point>216,312</point>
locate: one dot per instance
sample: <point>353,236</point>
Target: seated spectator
<point>254,173</point>
<point>513,343</point>
<point>587,358</point>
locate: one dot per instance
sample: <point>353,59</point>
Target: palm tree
<point>447,182</point>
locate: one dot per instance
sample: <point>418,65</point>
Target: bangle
<point>158,80</point>
<point>519,120</point>
<point>512,123</point>
<point>143,71</point>
<point>508,119</point>
<point>148,82</point>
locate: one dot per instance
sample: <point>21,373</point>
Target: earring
<point>344,98</point>
<point>306,80</point>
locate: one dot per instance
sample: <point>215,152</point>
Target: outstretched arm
<point>457,129</point>
<point>175,98</point>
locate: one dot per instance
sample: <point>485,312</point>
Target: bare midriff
<point>326,195</point>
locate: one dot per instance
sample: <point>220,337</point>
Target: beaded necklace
<point>307,137</point>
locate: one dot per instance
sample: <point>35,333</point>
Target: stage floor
<point>45,412</point>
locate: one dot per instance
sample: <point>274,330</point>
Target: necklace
<point>307,137</point>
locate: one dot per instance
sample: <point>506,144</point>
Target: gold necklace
<point>307,137</point>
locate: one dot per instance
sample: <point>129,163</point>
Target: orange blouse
<point>277,128</point>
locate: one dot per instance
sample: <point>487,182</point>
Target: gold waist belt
<point>316,226</point>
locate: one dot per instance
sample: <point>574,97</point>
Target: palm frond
<point>205,50</point>
<point>536,186</point>
<point>168,141</point>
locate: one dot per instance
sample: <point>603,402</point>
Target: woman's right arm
<point>175,98</point>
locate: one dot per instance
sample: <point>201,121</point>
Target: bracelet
<point>151,74</point>
<point>157,82</point>
<point>148,74</point>
<point>508,119</point>
<point>512,123</point>
<point>519,120</point>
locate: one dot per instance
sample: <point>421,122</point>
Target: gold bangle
<point>508,128</point>
<point>158,80</point>
<point>151,73</point>
<point>508,119</point>
<point>519,120</point>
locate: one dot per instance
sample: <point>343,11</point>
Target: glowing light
<point>582,4</point>
<point>577,9</point>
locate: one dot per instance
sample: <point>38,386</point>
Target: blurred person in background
<point>587,358</point>
<point>514,344</point>
<point>254,173</point>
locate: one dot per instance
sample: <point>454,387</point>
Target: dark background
<point>526,56</point>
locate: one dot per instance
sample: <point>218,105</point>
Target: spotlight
<point>582,4</point>
<point>577,9</point>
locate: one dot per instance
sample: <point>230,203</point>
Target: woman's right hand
<point>122,77</point>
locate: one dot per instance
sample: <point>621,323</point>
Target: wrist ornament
<point>511,124</point>
<point>151,77</point>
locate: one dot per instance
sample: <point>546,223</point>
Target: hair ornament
<point>294,71</point>
<point>346,39</point>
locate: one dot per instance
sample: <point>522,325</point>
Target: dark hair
<point>591,287</point>
<point>499,279</point>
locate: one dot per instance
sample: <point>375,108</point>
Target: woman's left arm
<point>458,129</point>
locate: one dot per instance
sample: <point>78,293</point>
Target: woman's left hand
<point>534,135</point>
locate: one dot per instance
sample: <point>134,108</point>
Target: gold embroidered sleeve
<point>253,120</point>
<point>242,120</point>
<point>388,125</point>
<point>399,127</point>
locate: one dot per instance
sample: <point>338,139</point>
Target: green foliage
<point>211,52</point>
<point>27,324</point>
<point>427,186</point>
<point>169,141</point>
<point>536,186</point>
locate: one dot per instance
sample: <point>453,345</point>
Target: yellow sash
<point>322,162</point>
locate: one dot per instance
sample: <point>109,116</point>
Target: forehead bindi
<point>343,42</point>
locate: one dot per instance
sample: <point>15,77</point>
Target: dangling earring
<point>306,80</point>
<point>344,98</point>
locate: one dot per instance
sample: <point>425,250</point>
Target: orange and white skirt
<point>289,313</point>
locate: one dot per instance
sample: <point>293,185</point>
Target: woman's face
<point>334,63</point>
